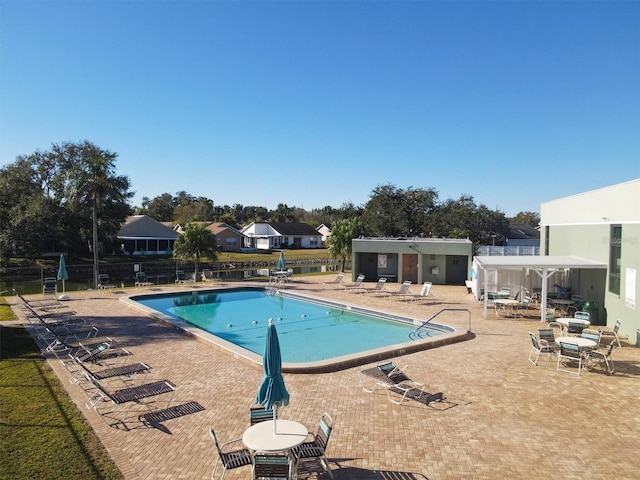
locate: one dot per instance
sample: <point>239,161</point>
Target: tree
<point>394,212</point>
<point>89,187</point>
<point>159,208</point>
<point>528,218</point>
<point>339,242</point>
<point>54,196</point>
<point>196,243</point>
<point>462,218</point>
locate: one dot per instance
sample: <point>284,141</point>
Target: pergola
<point>542,265</point>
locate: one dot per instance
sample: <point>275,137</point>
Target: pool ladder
<point>416,333</point>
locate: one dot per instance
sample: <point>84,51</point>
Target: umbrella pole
<point>275,417</point>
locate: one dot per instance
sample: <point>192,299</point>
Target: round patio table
<point>261,437</point>
<point>579,341</point>
<point>565,321</point>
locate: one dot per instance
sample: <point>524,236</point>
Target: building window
<point>546,240</point>
<point>232,242</point>
<point>615,254</point>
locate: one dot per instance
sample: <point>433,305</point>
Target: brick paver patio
<point>508,418</point>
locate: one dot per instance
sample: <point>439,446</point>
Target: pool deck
<point>506,418</point>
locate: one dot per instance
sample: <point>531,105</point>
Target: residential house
<point>229,239</point>
<point>142,235</point>
<point>324,231</point>
<point>273,235</point>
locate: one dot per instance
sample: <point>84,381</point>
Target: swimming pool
<point>311,332</point>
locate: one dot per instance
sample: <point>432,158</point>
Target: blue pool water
<point>307,331</point>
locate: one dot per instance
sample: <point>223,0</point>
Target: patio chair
<point>550,314</point>
<point>122,400</point>
<point>582,315</point>
<point>354,285</point>
<point>604,357</point>
<point>337,281</point>
<point>257,414</point>
<point>539,347</point>
<point>525,303</point>
<point>547,334</point>
<point>271,466</point>
<point>574,328</point>
<point>592,334</point>
<point>181,278</point>
<point>316,448</point>
<point>376,289</point>
<point>50,286</point>
<point>141,280</point>
<point>612,332</point>
<point>229,459</point>
<point>569,354</point>
<point>104,283</point>
<point>393,379</point>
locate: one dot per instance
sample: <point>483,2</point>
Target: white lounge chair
<point>424,293</point>
<point>336,282</point>
<point>355,284</point>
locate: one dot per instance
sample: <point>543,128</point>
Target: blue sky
<point>315,103</point>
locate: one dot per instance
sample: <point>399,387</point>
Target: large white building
<point>601,225</point>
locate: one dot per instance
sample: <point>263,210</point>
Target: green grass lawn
<point>42,433</point>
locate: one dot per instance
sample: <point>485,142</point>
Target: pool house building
<point>442,261</point>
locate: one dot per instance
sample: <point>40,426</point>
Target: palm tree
<point>339,242</point>
<point>196,243</point>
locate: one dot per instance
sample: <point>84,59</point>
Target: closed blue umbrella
<point>282,265</point>
<point>62,272</point>
<point>272,390</point>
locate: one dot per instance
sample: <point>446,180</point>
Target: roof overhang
<point>545,262</point>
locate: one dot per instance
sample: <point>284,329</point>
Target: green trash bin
<point>591,307</point>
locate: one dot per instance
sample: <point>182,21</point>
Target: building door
<point>409,267</point>
<point>456,269</point>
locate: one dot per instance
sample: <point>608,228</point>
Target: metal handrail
<point>413,334</point>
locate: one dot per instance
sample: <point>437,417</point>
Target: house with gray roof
<point>142,235</point>
<point>276,235</point>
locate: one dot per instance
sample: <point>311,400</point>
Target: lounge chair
<point>403,291</point>
<point>316,448</point>
<point>336,282</point>
<point>229,459</point>
<point>393,379</point>
<point>181,278</point>
<point>376,289</point>
<point>207,276</point>
<point>125,370</point>
<point>141,280</point>
<point>354,285</point>
<point>425,292</point>
<point>122,400</point>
